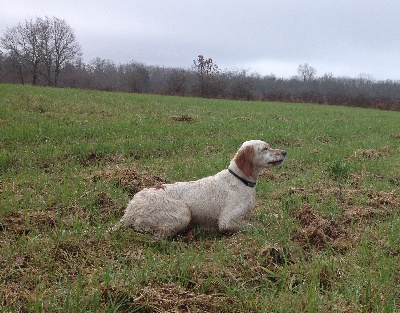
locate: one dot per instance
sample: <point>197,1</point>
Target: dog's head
<point>257,154</point>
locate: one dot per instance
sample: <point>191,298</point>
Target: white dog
<point>224,201</point>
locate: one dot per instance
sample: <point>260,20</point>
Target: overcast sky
<point>342,37</point>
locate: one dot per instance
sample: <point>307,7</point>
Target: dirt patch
<point>272,256</point>
<point>323,139</point>
<point>355,206</point>
<point>287,143</point>
<point>175,298</point>
<point>359,206</point>
<point>15,292</point>
<point>183,118</point>
<point>363,154</point>
<point>22,223</point>
<point>316,232</point>
<point>282,119</point>
<point>278,177</point>
<point>348,194</point>
<point>362,214</point>
<point>395,181</point>
<point>366,154</point>
<point>383,199</point>
<point>95,157</point>
<point>66,251</point>
<point>107,206</point>
<point>130,180</point>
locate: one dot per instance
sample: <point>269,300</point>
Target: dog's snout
<point>283,152</point>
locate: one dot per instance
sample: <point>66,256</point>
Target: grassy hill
<point>324,237</point>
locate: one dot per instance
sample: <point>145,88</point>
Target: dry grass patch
<point>129,179</point>
<point>22,223</point>
<point>175,298</point>
<point>316,232</point>
<point>354,207</point>
<point>275,176</point>
<point>363,154</point>
<point>183,118</point>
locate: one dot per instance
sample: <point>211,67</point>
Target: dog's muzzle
<point>280,161</point>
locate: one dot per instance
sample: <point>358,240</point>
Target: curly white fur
<point>223,201</point>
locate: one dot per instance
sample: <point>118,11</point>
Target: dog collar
<point>244,181</point>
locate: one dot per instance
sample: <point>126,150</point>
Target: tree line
<point>44,51</point>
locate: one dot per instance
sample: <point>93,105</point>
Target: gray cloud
<point>341,37</point>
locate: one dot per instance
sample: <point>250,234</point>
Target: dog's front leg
<point>232,221</point>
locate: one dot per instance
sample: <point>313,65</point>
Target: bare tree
<point>66,48</point>
<point>103,74</point>
<point>177,81</point>
<point>22,42</point>
<point>206,70</point>
<point>41,46</point>
<point>241,84</point>
<point>137,77</point>
<point>46,48</point>
<point>306,72</point>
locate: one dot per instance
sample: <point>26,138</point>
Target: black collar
<point>246,182</point>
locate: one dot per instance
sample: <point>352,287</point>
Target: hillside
<point>324,237</point>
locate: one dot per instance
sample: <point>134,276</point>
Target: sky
<point>341,37</point>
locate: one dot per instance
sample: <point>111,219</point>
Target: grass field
<point>325,236</point>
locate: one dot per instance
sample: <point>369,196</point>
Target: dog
<point>224,201</point>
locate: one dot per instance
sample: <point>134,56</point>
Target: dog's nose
<point>283,153</point>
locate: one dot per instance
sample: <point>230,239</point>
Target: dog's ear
<point>244,160</point>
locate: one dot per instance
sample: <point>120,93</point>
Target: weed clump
<point>339,170</point>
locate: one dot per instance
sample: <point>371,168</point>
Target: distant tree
<point>136,77</point>
<point>23,44</point>
<point>65,47</point>
<point>177,81</point>
<point>41,47</point>
<point>241,85</point>
<point>306,72</point>
<point>206,70</point>
<point>2,65</point>
<point>103,74</point>
<point>365,82</point>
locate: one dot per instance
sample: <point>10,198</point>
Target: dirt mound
<point>358,206</point>
<point>168,297</point>
<point>384,199</point>
<point>129,179</point>
<point>22,223</point>
<point>316,232</point>
<point>363,154</point>
<point>183,118</point>
<point>173,298</point>
<point>362,214</point>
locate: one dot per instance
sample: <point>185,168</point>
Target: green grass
<point>324,236</point>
